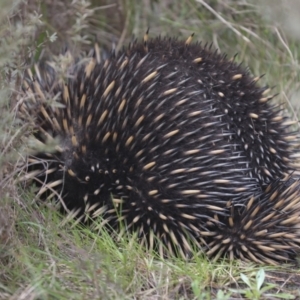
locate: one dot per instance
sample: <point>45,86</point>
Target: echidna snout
<point>180,139</point>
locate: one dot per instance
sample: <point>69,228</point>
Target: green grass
<point>43,258</point>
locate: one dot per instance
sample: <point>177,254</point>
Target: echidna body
<point>174,140</point>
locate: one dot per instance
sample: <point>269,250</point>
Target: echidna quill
<point>174,140</point>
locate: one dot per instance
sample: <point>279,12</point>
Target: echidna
<point>176,141</point>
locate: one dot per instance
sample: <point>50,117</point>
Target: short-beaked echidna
<point>176,141</point>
